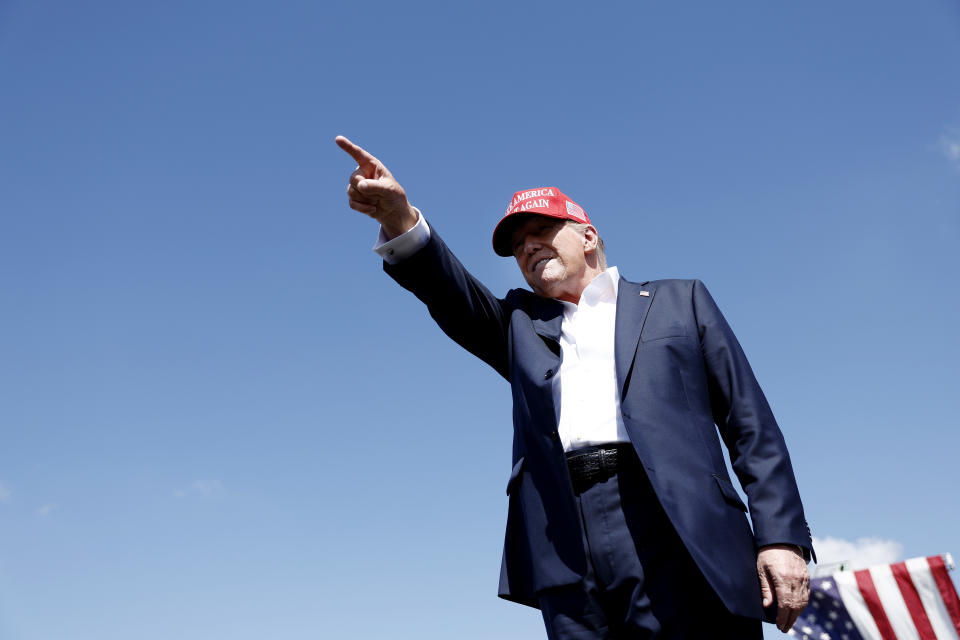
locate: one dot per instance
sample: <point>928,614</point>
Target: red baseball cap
<point>544,201</point>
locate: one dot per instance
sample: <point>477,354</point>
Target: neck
<point>573,295</point>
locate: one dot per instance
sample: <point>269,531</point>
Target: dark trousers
<point>640,581</point>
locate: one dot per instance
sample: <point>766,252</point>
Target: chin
<point>549,290</point>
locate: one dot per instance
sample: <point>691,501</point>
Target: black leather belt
<point>588,466</point>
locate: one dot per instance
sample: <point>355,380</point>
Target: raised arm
<point>458,302</point>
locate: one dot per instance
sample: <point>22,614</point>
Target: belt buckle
<point>606,459</point>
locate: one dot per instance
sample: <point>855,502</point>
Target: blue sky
<point>221,419</point>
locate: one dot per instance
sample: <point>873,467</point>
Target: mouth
<point>540,262</point>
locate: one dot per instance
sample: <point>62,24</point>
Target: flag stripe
<point>947,591</point>
<point>930,596</point>
<point>912,599</point>
<point>869,592</point>
<point>892,602</point>
<point>856,607</point>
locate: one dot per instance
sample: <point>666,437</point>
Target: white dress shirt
<point>585,390</point>
<point>406,244</point>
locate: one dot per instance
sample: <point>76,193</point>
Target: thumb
<point>375,187</point>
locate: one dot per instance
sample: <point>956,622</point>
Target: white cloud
<point>950,146</point>
<point>864,552</point>
<point>46,509</point>
<point>5,493</point>
<point>200,488</point>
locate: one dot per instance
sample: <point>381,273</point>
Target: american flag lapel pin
<point>645,293</point>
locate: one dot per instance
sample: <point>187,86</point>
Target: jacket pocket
<point>515,475</point>
<point>729,493</point>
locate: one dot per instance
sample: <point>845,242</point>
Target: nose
<point>529,245</point>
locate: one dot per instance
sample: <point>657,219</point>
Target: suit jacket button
<point>548,374</point>
<point>554,436</point>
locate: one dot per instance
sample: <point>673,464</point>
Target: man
<point>622,518</point>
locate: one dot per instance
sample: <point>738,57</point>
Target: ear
<point>590,239</point>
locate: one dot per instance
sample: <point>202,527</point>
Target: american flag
<point>913,600</point>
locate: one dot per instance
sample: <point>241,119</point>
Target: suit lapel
<point>632,307</point>
<point>547,317</point>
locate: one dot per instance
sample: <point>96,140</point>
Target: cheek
<point>529,277</point>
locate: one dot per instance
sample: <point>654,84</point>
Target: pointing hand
<point>374,191</point>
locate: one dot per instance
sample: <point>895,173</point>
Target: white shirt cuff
<point>404,245</point>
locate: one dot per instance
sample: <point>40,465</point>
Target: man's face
<point>550,253</point>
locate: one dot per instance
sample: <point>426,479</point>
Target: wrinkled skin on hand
<point>784,579</point>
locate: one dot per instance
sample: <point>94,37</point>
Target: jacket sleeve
<point>758,452</point>
<point>463,307</point>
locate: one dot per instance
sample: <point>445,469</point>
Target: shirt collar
<point>603,288</point>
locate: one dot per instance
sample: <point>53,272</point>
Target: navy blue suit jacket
<point>681,375</point>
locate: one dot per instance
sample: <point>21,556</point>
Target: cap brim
<point>502,235</point>
<point>502,244</point>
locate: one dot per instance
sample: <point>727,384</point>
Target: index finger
<point>358,153</point>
